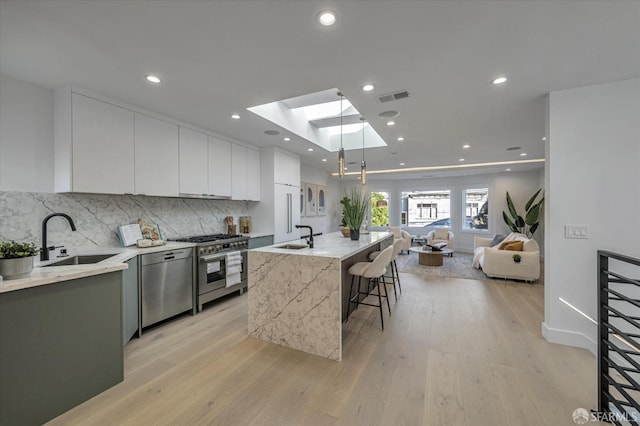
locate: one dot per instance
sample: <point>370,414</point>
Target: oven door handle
<point>212,257</point>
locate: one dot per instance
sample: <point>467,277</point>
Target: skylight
<point>317,118</point>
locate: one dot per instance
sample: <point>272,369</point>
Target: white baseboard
<point>569,338</point>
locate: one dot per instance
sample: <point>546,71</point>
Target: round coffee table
<point>430,257</point>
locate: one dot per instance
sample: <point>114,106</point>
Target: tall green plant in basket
<point>529,223</point>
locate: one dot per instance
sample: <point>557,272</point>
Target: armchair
<point>404,235</point>
<point>500,264</point>
<point>441,235</point>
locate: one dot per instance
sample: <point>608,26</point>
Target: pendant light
<point>341,152</point>
<point>363,165</point>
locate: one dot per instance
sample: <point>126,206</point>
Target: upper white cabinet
<point>219,167</point>
<point>156,157</point>
<point>109,148</point>
<point>239,167</point>
<point>245,173</point>
<point>194,162</point>
<point>93,146</point>
<point>253,175</point>
<point>286,169</point>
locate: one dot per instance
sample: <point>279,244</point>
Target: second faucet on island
<point>310,236</point>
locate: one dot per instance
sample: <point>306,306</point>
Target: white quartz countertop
<point>333,245</point>
<point>43,274</point>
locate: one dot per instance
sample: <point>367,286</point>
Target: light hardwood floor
<point>454,352</point>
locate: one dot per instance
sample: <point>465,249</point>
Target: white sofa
<point>441,235</point>
<point>500,264</point>
<point>406,238</point>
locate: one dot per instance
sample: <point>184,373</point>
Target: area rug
<point>457,266</point>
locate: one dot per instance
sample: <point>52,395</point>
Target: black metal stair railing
<point>619,338</point>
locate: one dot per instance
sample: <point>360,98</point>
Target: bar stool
<point>395,275</point>
<point>372,271</point>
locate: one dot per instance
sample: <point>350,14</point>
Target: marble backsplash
<point>97,217</point>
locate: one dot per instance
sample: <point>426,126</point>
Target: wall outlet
<point>576,231</point>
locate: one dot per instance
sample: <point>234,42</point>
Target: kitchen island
<point>299,297</point>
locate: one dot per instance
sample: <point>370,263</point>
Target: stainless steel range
<point>222,260</point>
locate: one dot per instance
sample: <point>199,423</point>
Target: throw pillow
<point>497,240</point>
<point>441,234</point>
<point>511,245</point>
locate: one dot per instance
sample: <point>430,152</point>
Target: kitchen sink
<point>82,259</point>
<point>292,246</point>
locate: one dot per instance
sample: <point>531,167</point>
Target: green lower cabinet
<point>131,301</point>
<point>60,344</point>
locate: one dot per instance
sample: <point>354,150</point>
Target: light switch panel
<point>576,231</point>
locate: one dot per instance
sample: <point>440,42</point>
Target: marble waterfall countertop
<point>296,295</point>
<point>43,274</point>
<point>333,245</point>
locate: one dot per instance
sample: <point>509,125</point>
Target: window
<point>379,209</point>
<point>424,208</point>
<point>476,202</point>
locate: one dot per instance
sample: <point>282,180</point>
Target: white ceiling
<point>217,57</point>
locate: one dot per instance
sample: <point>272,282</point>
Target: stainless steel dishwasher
<point>166,284</point>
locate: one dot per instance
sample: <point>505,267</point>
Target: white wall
<point>26,133</point>
<point>593,155</point>
<point>521,186</point>
<point>327,223</point>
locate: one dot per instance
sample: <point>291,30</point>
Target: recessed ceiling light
<point>346,168</point>
<point>400,139</point>
<point>466,146</point>
<point>499,80</point>
<point>402,164</point>
<point>507,170</point>
<point>524,154</point>
<point>391,123</point>
<point>327,18</point>
<point>460,159</point>
<point>287,139</point>
<point>153,78</point>
<point>324,159</point>
<point>544,138</point>
<point>309,149</point>
<point>368,87</point>
<point>235,116</point>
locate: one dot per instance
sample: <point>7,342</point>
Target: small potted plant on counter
<point>354,210</point>
<point>16,259</point>
<point>517,258</point>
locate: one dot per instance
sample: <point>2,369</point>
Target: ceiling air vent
<point>393,96</point>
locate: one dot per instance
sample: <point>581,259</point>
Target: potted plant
<point>529,223</point>
<point>354,210</point>
<point>16,259</point>
<point>517,258</point>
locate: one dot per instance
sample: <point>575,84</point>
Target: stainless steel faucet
<point>44,251</point>
<point>310,237</point>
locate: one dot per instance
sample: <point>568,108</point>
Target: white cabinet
<point>253,175</point>
<point>219,167</point>
<point>93,146</point>
<point>156,157</point>
<point>194,162</point>
<point>287,213</point>
<point>239,155</point>
<point>286,169</point>
<point>245,173</point>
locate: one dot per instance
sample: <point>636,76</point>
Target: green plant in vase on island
<point>354,209</point>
